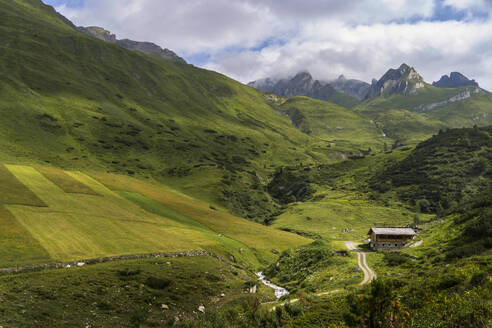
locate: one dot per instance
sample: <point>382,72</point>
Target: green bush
<point>157,283</point>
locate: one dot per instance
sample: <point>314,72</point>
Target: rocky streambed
<point>279,291</point>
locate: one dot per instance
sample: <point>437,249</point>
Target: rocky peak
<point>99,33</point>
<point>405,80</point>
<point>303,80</point>
<point>145,47</point>
<point>454,80</point>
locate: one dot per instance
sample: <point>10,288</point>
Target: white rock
<point>79,264</point>
<point>201,308</point>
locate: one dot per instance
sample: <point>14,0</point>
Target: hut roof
<point>393,231</point>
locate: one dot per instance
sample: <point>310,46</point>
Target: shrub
<point>395,258</point>
<point>157,283</point>
<point>448,281</point>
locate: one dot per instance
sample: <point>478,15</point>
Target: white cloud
<point>367,51</point>
<point>359,38</point>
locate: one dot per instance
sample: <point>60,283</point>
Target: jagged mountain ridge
<point>454,80</point>
<point>303,84</point>
<point>145,47</point>
<point>405,80</point>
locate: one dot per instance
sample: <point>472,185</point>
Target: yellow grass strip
<point>66,182</point>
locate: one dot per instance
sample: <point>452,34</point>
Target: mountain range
<point>405,80</point>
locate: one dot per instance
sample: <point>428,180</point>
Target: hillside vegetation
<point>81,217</point>
<point>450,167</point>
<point>340,126</point>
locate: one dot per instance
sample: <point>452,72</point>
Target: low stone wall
<point>80,263</point>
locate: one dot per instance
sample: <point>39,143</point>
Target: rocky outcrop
<point>405,81</point>
<point>355,88</point>
<point>145,47</point>
<point>460,96</point>
<point>454,80</point>
<point>303,84</point>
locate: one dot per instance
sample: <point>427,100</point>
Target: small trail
<point>369,274</point>
<point>417,244</point>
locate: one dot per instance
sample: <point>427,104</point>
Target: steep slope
<point>79,216</point>
<point>449,168</point>
<point>303,84</point>
<point>342,127</point>
<point>474,110</point>
<point>77,102</point>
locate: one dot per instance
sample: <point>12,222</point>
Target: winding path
<point>369,274</point>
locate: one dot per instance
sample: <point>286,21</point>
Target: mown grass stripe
<point>18,245</point>
<point>66,182</point>
<point>14,192</point>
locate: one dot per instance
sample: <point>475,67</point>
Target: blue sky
<point>251,39</point>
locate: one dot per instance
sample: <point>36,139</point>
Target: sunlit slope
<point>414,118</point>
<point>76,101</point>
<point>343,127</point>
<point>77,224</point>
<point>473,111</point>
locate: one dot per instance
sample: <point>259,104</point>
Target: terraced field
<point>83,218</point>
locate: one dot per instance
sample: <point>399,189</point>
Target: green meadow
<point>137,218</point>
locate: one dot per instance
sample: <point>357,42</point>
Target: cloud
<point>367,51</point>
<point>251,39</point>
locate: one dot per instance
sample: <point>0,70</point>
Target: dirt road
<point>369,274</point>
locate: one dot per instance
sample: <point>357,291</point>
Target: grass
<point>329,216</point>
<point>18,245</point>
<point>473,111</point>
<point>254,235</point>
<point>12,191</point>
<point>401,119</point>
<point>77,225</point>
<point>65,181</point>
<point>92,104</point>
<point>119,294</point>
<point>332,123</point>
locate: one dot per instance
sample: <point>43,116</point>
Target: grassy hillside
<point>449,168</point>
<point>407,120</point>
<point>133,293</point>
<point>89,103</point>
<point>345,129</point>
<point>423,96</point>
<point>404,127</point>
<point>134,218</point>
<point>473,111</point>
